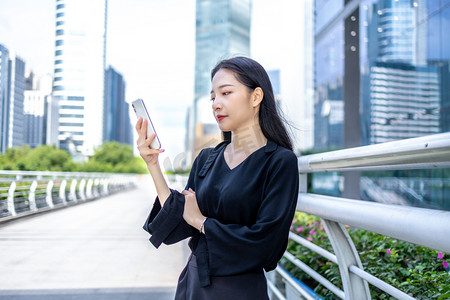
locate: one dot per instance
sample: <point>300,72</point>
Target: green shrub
<point>418,271</point>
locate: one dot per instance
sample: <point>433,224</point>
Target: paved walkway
<point>96,250</point>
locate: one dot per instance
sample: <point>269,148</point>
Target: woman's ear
<point>257,96</point>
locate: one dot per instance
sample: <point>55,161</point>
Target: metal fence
<point>405,223</point>
<point>23,192</point>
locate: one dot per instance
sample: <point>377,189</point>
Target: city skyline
<point>130,51</point>
<point>154,48</point>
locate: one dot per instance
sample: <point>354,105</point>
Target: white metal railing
<point>405,223</point>
<point>26,192</point>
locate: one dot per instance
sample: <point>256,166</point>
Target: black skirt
<point>251,286</point>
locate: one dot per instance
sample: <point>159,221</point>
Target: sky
<point>151,43</point>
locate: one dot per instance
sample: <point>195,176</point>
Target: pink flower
<point>312,232</point>
<point>300,229</point>
<point>388,251</point>
<point>440,255</point>
<point>293,222</point>
<point>445,264</point>
<point>309,238</point>
<point>347,226</point>
<point>321,228</point>
<point>292,228</point>
<point>316,223</point>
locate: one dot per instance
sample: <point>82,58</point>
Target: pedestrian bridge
<point>96,250</point>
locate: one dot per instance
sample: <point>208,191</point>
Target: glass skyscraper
<point>222,31</point>
<point>79,68</point>
<point>394,57</point>
<point>383,67</point>
<point>12,87</point>
<point>117,126</point>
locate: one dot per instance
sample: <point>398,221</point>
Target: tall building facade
<point>387,63</point>
<point>4,63</point>
<point>12,88</point>
<point>79,67</point>
<point>37,109</point>
<point>222,31</point>
<point>117,126</point>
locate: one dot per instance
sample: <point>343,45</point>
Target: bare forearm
<point>162,189</point>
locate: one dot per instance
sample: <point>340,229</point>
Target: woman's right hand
<point>149,155</point>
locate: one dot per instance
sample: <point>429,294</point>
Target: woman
<point>240,197</point>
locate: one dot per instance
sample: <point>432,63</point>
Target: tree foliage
<point>111,157</point>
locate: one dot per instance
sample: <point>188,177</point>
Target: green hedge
<point>418,271</point>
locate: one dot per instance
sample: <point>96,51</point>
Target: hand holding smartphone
<point>141,112</point>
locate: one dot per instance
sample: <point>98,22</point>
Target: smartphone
<point>141,112</point>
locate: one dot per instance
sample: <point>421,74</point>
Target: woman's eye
<point>212,98</point>
<point>226,93</point>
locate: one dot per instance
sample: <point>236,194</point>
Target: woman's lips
<point>220,117</point>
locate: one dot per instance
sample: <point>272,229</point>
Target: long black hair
<point>251,74</point>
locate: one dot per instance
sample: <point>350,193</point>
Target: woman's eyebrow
<point>222,86</point>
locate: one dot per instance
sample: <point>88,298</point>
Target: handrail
<point>405,223</point>
<point>411,224</point>
<point>28,192</point>
<point>431,151</point>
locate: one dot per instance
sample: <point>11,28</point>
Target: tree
<point>114,157</point>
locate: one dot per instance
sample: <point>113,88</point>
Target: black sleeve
<point>234,248</point>
<point>166,224</point>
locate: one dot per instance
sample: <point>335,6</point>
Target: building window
<point>58,52</point>
<point>60,14</point>
<point>59,43</point>
<point>71,107</point>
<point>58,61</point>
<point>58,78</point>
<point>59,6</point>
<point>59,32</point>
<point>71,124</point>
<point>59,23</point>
<point>58,70</point>
<point>58,88</point>
<point>75,98</point>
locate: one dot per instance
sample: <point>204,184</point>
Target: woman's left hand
<point>192,214</point>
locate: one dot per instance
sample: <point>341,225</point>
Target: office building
<point>222,31</point>
<point>117,126</point>
<point>12,87</point>
<point>37,109</point>
<point>79,68</point>
<point>387,63</point>
<point>4,63</point>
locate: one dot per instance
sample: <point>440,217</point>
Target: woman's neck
<point>247,140</point>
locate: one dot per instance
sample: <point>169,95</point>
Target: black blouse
<point>249,210</point>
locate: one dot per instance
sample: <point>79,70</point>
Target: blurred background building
<point>12,87</point>
<point>117,126</point>
<point>78,80</point>
<point>218,36</point>
<point>382,74</point>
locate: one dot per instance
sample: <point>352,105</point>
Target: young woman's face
<point>232,106</point>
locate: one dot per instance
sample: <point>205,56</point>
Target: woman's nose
<point>216,105</point>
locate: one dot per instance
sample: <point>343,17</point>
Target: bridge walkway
<point>96,250</point>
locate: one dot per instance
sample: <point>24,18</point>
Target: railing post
<point>73,190</point>
<point>62,191</point>
<point>81,189</point>
<point>89,188</point>
<point>49,197</point>
<point>11,206</point>
<point>355,288</point>
<point>105,187</point>
<point>95,192</point>
<point>32,196</point>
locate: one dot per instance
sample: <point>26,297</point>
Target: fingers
<point>187,193</point>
